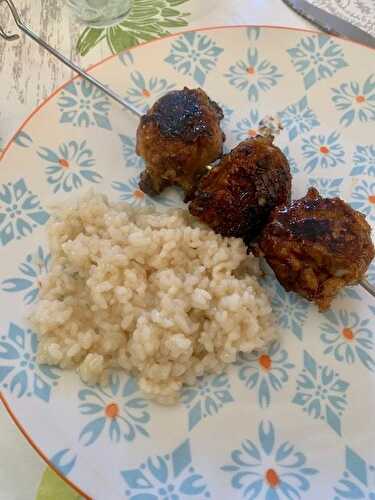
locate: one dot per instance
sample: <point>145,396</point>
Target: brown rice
<point>155,294</point>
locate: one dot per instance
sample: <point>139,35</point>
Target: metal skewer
<point>367,286</point>
<point>267,124</point>
<point>61,57</point>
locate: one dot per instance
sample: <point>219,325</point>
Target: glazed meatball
<point>316,246</point>
<point>237,196</point>
<point>178,137</point>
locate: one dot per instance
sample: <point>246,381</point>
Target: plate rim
<point>58,89</point>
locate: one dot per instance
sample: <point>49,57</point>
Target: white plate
<point>294,422</point>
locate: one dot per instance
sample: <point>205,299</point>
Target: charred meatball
<point>316,246</point>
<point>237,196</point>
<point>178,137</point>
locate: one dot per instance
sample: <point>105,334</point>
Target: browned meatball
<point>178,137</point>
<point>316,246</point>
<point>236,197</point>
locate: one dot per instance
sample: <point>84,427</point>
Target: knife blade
<point>329,23</point>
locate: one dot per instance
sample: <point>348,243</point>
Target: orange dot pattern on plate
<point>360,99</point>
<point>138,194</point>
<point>371,198</point>
<point>146,93</point>
<point>251,70</point>
<point>265,362</point>
<point>63,163</point>
<point>348,334</point>
<point>112,410</point>
<point>272,478</point>
<point>324,150</point>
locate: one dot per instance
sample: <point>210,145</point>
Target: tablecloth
<point>29,74</point>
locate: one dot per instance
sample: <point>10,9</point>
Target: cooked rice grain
<point>155,294</point>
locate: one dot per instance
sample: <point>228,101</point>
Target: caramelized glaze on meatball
<point>316,246</point>
<point>237,196</point>
<point>178,137</point>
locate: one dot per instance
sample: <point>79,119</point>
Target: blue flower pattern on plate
<point>253,33</point>
<point>292,162</point>
<point>70,166</point>
<point>269,469</point>
<point>364,161</point>
<point>20,212</point>
<point>247,127</point>
<point>132,194</point>
<point>324,151</point>
<point>298,118</point>
<point>316,58</point>
<point>351,292</point>
<point>321,393</point>
<point>23,139</point>
<point>371,272</point>
<point>144,92</point>
<point>32,269</point>
<point>19,372</point>
<point>289,308</point>
<point>126,57</point>
<point>253,75</point>
<point>128,151</point>
<point>228,114</point>
<point>356,100</point>
<point>206,398</point>
<point>64,460</point>
<point>327,187</point>
<point>363,198</point>
<point>358,479</point>
<point>118,410</point>
<point>195,55</point>
<point>83,105</point>
<point>348,337</point>
<point>265,371</point>
<point>168,477</point>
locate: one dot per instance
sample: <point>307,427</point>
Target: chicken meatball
<point>237,196</point>
<point>178,137</point>
<point>316,246</point>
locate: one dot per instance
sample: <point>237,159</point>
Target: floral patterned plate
<point>296,421</point>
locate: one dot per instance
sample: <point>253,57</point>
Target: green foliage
<point>147,20</point>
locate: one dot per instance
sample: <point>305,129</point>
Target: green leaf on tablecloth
<point>52,487</point>
<point>119,40</point>
<point>147,20</point>
<point>175,23</point>
<point>89,38</point>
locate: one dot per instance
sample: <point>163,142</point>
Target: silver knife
<point>329,23</point>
